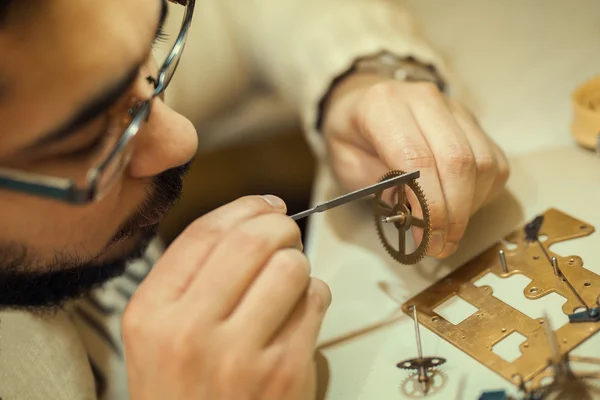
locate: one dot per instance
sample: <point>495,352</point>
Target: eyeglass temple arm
<point>58,189</point>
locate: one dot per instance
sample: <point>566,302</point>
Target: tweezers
<point>352,196</point>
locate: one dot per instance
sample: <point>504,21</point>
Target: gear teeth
<point>421,250</point>
<point>410,386</point>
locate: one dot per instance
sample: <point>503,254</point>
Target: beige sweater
<point>292,47</point>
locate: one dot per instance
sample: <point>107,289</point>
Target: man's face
<point>64,64</point>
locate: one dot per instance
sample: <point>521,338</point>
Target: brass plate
<point>495,319</point>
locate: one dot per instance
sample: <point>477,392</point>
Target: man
<point>91,159</point>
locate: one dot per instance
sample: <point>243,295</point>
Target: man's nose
<point>166,141</point>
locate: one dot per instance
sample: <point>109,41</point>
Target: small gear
<point>412,388</point>
<point>401,216</point>
<point>425,362</point>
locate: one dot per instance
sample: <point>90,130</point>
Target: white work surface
<point>519,60</point>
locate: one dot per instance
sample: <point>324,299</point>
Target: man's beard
<point>69,277</point>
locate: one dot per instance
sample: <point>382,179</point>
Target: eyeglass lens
<point>115,166</point>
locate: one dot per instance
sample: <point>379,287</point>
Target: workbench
<point>519,62</point>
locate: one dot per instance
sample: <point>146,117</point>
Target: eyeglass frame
<point>66,189</point>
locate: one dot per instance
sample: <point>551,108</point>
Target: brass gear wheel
<point>401,216</point>
<point>425,362</point>
<point>411,387</point>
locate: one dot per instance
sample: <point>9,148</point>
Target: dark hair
<point>4,6</point>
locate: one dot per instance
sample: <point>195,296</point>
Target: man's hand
<point>229,312</point>
<point>374,124</point>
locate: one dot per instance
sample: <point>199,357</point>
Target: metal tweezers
<point>352,196</point>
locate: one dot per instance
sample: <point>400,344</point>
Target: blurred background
<point>256,147</point>
<point>250,141</point>
<point>256,144</point>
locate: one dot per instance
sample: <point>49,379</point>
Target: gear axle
<point>403,219</point>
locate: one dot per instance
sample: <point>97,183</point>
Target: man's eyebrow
<point>101,103</point>
<point>89,111</point>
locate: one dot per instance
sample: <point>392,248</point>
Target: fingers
<point>294,348</point>
<point>272,297</point>
<point>399,142</point>
<point>492,165</point>
<point>485,157</point>
<point>305,322</point>
<point>237,260</point>
<point>354,166</point>
<point>318,300</point>
<point>502,175</point>
<point>454,159</point>
<point>172,273</point>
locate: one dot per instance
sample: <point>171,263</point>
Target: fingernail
<point>321,297</point>
<point>436,246</point>
<point>274,201</point>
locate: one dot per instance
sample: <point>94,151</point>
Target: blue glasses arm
<point>55,188</point>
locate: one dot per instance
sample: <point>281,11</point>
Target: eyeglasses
<point>110,164</point>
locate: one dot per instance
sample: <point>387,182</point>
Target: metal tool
<point>421,364</point>
<point>400,214</point>
<point>352,196</point>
